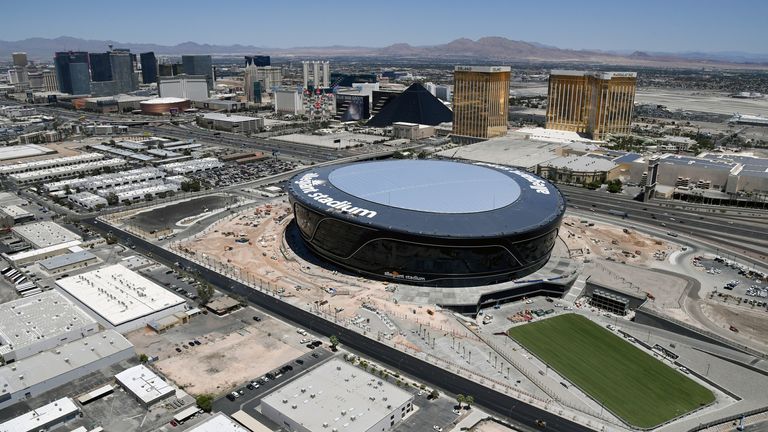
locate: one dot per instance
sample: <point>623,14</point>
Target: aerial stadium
<point>428,222</point>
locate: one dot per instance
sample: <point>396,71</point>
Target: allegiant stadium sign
<point>307,184</point>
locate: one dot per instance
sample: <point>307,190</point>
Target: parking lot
<point>233,173</point>
<point>734,285</point>
<point>173,280</point>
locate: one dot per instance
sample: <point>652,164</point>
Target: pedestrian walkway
<point>576,290</point>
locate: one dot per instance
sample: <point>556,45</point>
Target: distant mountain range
<point>487,48</point>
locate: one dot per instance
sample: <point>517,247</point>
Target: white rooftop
<point>163,100</point>
<point>118,294</point>
<point>552,135</point>
<point>341,391</point>
<point>45,233</point>
<point>144,383</point>
<point>583,163</point>
<point>15,211</point>
<point>29,320</point>
<point>46,365</point>
<point>37,418</point>
<point>22,151</point>
<point>228,118</point>
<point>218,423</point>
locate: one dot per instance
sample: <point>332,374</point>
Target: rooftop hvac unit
<point>293,406</point>
<point>325,425</point>
<point>312,395</point>
<point>343,412</point>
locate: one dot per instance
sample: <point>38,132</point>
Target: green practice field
<point>627,381</point>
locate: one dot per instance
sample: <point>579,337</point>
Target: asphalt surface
<point>167,216</point>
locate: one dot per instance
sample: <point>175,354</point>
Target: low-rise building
<point>35,324</point>
<point>13,215</point>
<point>146,386</point>
<point>50,174</point>
<point>32,376</point>
<point>68,262</point>
<point>44,233</point>
<point>578,169</point>
<point>43,418</point>
<point>121,298</point>
<point>231,123</point>
<point>195,165</point>
<point>88,200</point>
<point>412,131</point>
<point>219,422</point>
<point>337,395</point>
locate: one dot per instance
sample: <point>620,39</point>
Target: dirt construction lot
<point>233,350</point>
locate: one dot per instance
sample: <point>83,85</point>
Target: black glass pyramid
<point>415,105</point>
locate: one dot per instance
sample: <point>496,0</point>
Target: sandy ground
<point>611,243</point>
<point>752,325</point>
<point>233,349</point>
<point>227,361</point>
<point>263,258</point>
<point>490,426</point>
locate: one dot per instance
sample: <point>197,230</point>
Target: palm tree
<point>460,399</point>
<point>469,400</point>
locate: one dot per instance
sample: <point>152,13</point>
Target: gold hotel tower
<point>593,103</point>
<point>480,101</point>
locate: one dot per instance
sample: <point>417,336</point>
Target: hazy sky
<point>652,25</point>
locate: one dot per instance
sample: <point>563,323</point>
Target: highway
<point>743,232</point>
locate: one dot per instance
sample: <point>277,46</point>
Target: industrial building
<point>88,200</point>
<point>337,396</point>
<point>14,215</point>
<point>49,174</point>
<point>231,123</point>
<point>68,262</point>
<point>165,105</point>
<point>32,255</point>
<point>20,152</point>
<point>45,418</point>
<point>219,422</point>
<point>428,222</point>
<point>49,163</point>
<point>121,298</point>
<point>594,103</point>
<point>45,233</point>
<point>193,87</point>
<point>32,376</point>
<point>146,386</point>
<point>35,324</point>
<point>106,181</point>
<point>480,101</point>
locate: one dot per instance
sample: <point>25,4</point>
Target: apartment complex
<point>592,103</point>
<point>480,101</point>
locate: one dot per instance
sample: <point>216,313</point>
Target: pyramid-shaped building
<point>415,105</point>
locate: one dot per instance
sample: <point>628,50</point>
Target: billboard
<point>352,107</point>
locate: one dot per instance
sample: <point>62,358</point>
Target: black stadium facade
<point>428,222</point>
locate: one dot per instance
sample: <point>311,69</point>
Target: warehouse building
<point>88,200</point>
<point>49,163</point>
<point>14,215</point>
<point>109,180</point>
<point>44,418</point>
<point>68,262</point>
<point>33,255</point>
<point>230,123</point>
<point>146,386</point>
<point>219,422</point>
<point>35,375</point>
<point>49,174</point>
<point>35,324</point>
<point>120,298</point>
<point>45,233</point>
<point>318,401</point>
